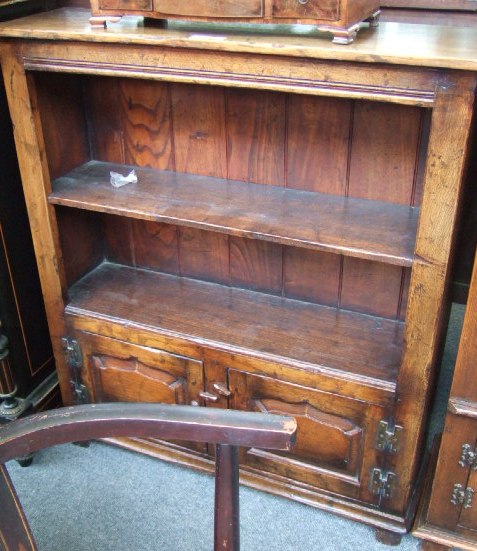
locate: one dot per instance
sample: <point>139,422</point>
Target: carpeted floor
<point>105,499</point>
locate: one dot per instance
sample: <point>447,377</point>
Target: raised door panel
<point>210,8</point>
<point>335,437</point>
<point>117,371</point>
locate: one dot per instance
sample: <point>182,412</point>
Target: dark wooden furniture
<point>287,245</point>
<point>448,514</point>
<point>341,18</point>
<point>27,378</point>
<point>226,429</point>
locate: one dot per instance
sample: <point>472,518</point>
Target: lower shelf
<point>360,347</point>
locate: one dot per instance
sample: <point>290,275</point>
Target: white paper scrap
<point>118,180</point>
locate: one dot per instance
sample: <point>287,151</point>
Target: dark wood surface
<point>22,312</point>
<point>366,347</point>
<point>15,534</point>
<point>356,227</point>
<point>228,429</point>
<point>93,421</point>
<point>265,111</point>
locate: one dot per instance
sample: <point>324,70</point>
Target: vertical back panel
<point>255,153</point>
<point>63,122</point>
<point>317,160</point>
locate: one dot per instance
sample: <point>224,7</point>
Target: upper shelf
<point>354,227</point>
<point>397,43</point>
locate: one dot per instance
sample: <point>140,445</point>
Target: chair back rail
<point>228,429</point>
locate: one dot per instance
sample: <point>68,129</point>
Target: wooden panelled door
<point>117,371</point>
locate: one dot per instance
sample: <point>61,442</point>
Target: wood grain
<point>198,116</point>
<point>420,45</point>
<point>370,287</point>
<point>318,144</point>
<point>311,275</point>
<point>355,227</point>
<point>319,336</point>
<point>65,137</point>
<point>156,246</point>
<point>448,144</point>
<point>384,153</point>
<point>256,153</point>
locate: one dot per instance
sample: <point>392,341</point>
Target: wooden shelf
<point>361,228</point>
<point>275,328</point>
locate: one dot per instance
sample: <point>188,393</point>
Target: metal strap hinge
<point>388,437</point>
<point>74,358</point>
<point>383,483</point>
<point>468,457</point>
<point>462,496</point>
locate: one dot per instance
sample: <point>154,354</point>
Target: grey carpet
<point>103,498</point>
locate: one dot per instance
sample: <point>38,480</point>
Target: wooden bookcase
<point>286,247</point>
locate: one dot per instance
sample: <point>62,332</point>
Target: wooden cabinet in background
<point>448,513</point>
<point>286,247</point>
<point>341,18</point>
<point>27,378</point>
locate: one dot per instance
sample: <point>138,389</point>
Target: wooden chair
<point>227,429</point>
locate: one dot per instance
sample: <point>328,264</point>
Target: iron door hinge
<point>383,483</point>
<point>388,437</point>
<point>468,457</point>
<point>74,358</point>
<point>462,496</point>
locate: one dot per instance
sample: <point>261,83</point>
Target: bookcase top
<point>395,43</point>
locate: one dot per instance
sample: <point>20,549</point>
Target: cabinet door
<point>445,511</point>
<point>335,436</point>
<point>117,371</point>
<point>210,8</point>
<point>327,10</point>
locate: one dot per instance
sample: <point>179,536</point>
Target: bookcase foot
<point>387,537</point>
<point>373,20</point>
<point>345,36</point>
<point>102,21</point>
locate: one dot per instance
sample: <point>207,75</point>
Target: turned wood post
<point>227,516</point>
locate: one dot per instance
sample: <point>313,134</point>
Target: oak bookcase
<point>286,247</point>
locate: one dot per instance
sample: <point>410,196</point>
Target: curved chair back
<point>227,429</point>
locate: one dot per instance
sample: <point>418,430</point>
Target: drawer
<point>327,10</point>
<point>126,5</point>
<point>210,8</point>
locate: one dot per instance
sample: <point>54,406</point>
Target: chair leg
<point>226,513</point>
<point>15,532</point>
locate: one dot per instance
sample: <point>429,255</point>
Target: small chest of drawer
<point>210,8</point>
<point>126,5</point>
<point>327,10</point>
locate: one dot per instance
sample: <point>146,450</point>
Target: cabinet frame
<point>298,68</point>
